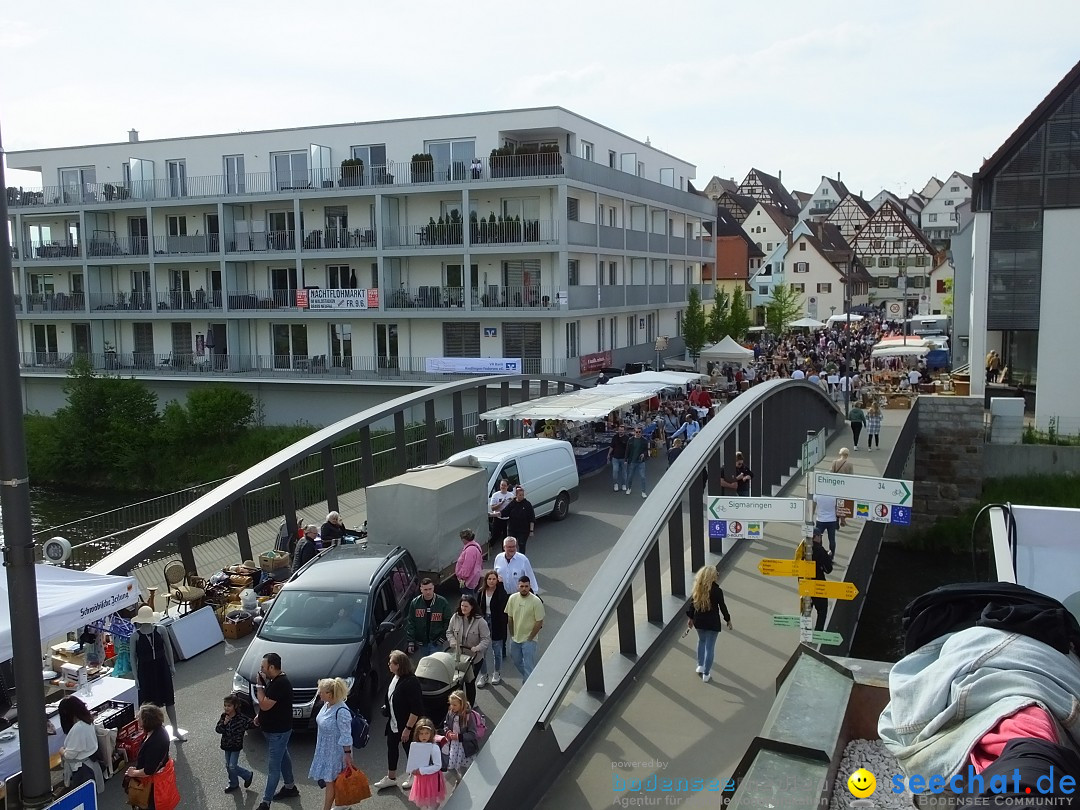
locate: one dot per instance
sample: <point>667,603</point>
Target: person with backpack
<point>462,728</point>
<point>334,740</point>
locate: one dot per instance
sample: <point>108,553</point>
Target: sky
<point>886,94</point>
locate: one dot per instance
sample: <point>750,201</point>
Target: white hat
<point>146,615</point>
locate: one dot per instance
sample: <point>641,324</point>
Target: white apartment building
<point>369,253</point>
<point>940,218</point>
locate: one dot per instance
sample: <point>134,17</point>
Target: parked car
<point>339,616</point>
<point>545,467</point>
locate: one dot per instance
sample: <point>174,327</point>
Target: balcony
<point>432,235</point>
<point>260,242</point>
<point>528,296</point>
<point>187,245</point>
<point>393,174</point>
<point>611,238</point>
<point>481,233</point>
<point>262,299</point>
<point>637,240</point>
<point>234,367</point>
<point>56,302</point>
<point>121,301</point>
<point>200,300</point>
<point>105,244</point>
<point>340,239</point>
<point>612,297</point>
<point>658,242</point>
<point>581,233</point>
<point>34,250</point>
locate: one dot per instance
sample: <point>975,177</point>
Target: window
<point>640,169</point>
<point>613,217</point>
<point>954,217</point>
<point>586,152</point>
<point>613,273</point>
<point>452,159</point>
<point>884,282</point>
<point>940,288</point>
<point>950,202</point>
<point>600,335</point>
<point>667,177</point>
<point>290,169</point>
<point>824,288</point>
<point>920,260</point>
<point>918,281</point>
<point>954,189</point>
<point>612,159</point>
<point>678,323</point>
<point>768,245</point>
<point>572,209</point>
<point>234,174</point>
<point>631,331</point>
<point>289,343</point>
<point>884,261</point>
<point>901,261</point>
<point>337,277</point>
<point>341,345</point>
<point>461,339</point>
<point>573,272</point>
<point>763,290</point>
<point>799,288</point>
<point>75,182</point>
<point>373,155</point>
<point>572,339</point>
<point>802,267</point>
<point>802,245</point>
<point>177,171</point>
<point>932,217</point>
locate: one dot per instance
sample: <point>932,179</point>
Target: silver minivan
<point>545,467</point>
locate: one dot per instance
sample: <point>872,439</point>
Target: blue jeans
<point>233,769</point>
<point>618,472</point>
<point>278,763</point>
<point>706,648</point>
<point>424,650</point>
<point>637,470</point>
<point>829,527</point>
<point>493,658</point>
<point>523,654</point>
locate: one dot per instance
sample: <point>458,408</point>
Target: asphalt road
<point>565,557</point>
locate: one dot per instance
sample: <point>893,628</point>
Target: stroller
<point>438,678</point>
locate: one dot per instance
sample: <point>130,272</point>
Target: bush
<point>220,411</point>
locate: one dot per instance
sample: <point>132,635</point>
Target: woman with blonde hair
<point>842,464</point>
<point>333,742</point>
<point>873,426</point>
<point>703,614</point>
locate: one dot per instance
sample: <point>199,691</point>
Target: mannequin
<point>152,657</point>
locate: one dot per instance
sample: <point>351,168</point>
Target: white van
<point>545,467</point>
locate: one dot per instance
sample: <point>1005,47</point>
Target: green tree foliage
<point>716,325</point>
<point>785,307</point>
<point>219,411</point>
<point>693,323</point>
<point>738,317</point>
<point>947,301</point>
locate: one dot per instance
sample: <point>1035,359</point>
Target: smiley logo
<point>862,784</point>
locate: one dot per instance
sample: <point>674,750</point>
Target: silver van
<point>545,467</point>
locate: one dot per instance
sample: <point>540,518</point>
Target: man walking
<point>470,563</point>
<point>520,517</point>
<point>497,519</point>
<point>823,562</point>
<point>637,453</point>
<point>826,520</point>
<point>274,696</point>
<point>428,618</point>
<point>525,618</point>
<point>617,455</point>
<point>512,566</point>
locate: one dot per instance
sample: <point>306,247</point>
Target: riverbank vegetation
<point>111,434</point>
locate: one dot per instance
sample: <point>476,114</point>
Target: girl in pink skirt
<point>425,765</point>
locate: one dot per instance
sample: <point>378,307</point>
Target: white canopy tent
<point>844,318</point>
<point>899,350</point>
<point>583,405</point>
<point>68,599</point>
<point>727,351</point>
<point>657,379</point>
<point>806,323</point>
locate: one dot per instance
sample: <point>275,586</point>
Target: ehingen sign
<point>789,510</point>
<point>863,488</point>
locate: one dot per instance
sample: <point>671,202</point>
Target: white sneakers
<point>700,670</point>
<point>481,681</point>
<point>644,495</point>
<point>496,678</point>
<point>384,783</point>
<point>625,488</point>
<point>706,677</point>
<point>628,491</point>
<point>616,487</point>
<point>406,784</point>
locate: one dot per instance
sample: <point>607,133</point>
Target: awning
<point>583,405</point>
<point>899,350</point>
<point>727,350</point>
<point>845,317</point>
<point>658,379</point>
<point>806,323</point>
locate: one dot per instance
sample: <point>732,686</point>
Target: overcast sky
<point>887,94</point>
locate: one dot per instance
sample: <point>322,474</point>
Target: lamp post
<point>19,541</point>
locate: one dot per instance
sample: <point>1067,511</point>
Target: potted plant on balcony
<point>453,227</point>
<point>423,168</point>
<point>549,159</point>
<point>474,229</point>
<point>352,172</point>
<point>502,161</point>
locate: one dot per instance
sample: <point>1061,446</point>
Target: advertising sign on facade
<point>592,363</point>
<point>337,299</point>
<point>472,365</point>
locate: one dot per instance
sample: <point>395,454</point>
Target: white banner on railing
<point>472,365</point>
<point>337,299</point>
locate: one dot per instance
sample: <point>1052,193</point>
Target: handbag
<point>166,791</point>
<point>351,787</point>
<point>138,791</point>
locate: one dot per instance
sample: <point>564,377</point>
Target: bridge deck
<point>674,725</point>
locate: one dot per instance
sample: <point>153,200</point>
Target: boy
<point>231,727</point>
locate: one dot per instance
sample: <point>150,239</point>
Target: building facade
<point>372,253</point>
<point>940,217</point>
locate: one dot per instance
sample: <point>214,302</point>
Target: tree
<point>738,318</point>
<point>785,307</point>
<point>947,301</point>
<point>693,324</point>
<point>716,326</point>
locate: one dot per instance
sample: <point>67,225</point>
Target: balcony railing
<point>434,234</point>
<point>522,296</point>
<point>393,174</point>
<point>262,299</point>
<point>122,301</point>
<point>340,239</point>
<point>263,365</point>
<point>56,302</point>
<point>180,300</point>
<point>104,245</point>
<point>33,249</point>
<point>260,242</point>
<point>181,245</point>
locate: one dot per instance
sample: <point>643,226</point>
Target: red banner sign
<point>592,363</point>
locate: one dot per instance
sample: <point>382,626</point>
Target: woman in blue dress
<point>333,745</point>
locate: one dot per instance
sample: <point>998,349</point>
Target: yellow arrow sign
<point>827,590</point>
<point>787,568</point>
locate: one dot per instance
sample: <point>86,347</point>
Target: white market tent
<point>727,350</point>
<point>806,323</point>
<point>657,379</point>
<point>844,318</point>
<point>68,599</point>
<point>899,350</point>
<point>585,404</point>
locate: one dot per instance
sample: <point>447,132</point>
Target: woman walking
<point>404,706</point>
<point>468,634</point>
<point>703,612</point>
<point>333,742</point>
<point>492,606</point>
<point>873,426</point>
<point>857,417</point>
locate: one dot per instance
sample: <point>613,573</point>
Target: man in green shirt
<point>525,618</point>
<point>428,618</point>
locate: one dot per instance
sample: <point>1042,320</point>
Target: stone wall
<point>948,469</point>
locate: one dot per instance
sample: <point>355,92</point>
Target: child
<point>425,765</point>
<point>231,727</point>
<point>458,728</point>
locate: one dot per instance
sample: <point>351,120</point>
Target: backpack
<point>479,724</point>
<point>361,729</point>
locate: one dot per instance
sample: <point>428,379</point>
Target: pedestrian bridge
<point>614,697</point>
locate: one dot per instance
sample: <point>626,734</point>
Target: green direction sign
<point>785,620</point>
<point>863,488</point>
<point>813,451</point>
<point>823,637</point>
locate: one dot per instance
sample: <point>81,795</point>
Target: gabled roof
<point>862,203</point>
<point>1027,128</point>
<point>802,197</point>
<point>729,198</point>
<point>898,209</point>
<point>727,225</point>
<point>783,221</point>
<point>837,186</point>
<point>778,195</point>
<point>963,177</point>
<point>725,185</point>
<point>829,242</point>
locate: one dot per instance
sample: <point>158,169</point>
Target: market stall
<point>727,350</point>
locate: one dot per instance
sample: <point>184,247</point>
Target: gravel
<point>872,755</point>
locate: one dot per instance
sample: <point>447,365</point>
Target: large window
<point>572,272</point>
<point>234,174</point>
<point>341,345</point>
<point>77,184</point>
<point>290,345</point>
<point>572,339</point>
<point>373,155</point>
<point>461,339</point>
<point>177,171</point>
<point>452,158</point>
<point>290,170</point>
<point>586,150</point>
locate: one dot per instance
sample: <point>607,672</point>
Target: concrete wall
<point>1057,387</point>
<point>1002,461</point>
<point>948,458</point>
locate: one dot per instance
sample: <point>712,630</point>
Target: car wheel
<point>562,507</point>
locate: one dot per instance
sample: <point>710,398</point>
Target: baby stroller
<point>438,678</point>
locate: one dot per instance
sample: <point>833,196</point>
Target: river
<point>51,508</point>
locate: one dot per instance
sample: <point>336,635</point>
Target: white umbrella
<point>845,317</point>
<point>806,323</point>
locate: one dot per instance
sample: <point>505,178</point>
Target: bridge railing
<point>317,464</point>
<point>573,686</point>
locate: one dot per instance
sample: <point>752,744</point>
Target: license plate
<point>298,712</point>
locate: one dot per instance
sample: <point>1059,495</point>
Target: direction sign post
<point>823,637</point>
<point>813,451</point>
<point>787,568</point>
<point>823,589</point>
<point>892,491</point>
<point>785,620</point>
<point>787,510</point>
